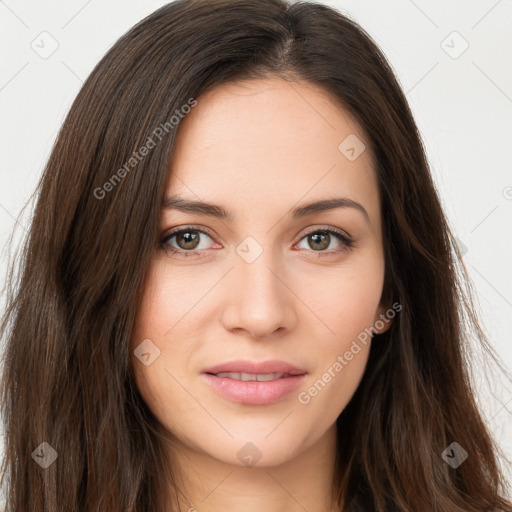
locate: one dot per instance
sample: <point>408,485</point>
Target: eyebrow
<point>212,210</point>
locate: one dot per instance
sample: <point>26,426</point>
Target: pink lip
<point>255,367</point>
<point>255,392</point>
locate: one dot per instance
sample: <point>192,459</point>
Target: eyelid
<point>191,227</point>
<point>316,228</point>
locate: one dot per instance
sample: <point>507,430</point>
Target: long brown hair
<point>67,377</point>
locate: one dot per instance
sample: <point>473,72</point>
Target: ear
<point>384,316</point>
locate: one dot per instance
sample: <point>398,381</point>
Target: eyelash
<point>346,241</point>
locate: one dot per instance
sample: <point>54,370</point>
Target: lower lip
<point>254,392</point>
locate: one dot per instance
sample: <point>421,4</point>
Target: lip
<point>240,366</point>
<point>255,392</point>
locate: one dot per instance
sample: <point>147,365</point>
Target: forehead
<point>269,141</point>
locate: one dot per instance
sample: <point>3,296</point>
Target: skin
<point>289,304</point>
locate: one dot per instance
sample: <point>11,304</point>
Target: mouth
<point>250,377</point>
<point>254,383</point>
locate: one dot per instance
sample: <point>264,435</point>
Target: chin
<point>258,453</point>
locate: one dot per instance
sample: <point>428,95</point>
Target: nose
<point>260,301</point>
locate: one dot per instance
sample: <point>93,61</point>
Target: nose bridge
<point>256,271</point>
<point>260,300</point>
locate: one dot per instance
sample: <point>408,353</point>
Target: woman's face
<point>264,284</point>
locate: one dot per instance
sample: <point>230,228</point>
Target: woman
<point>239,290</point>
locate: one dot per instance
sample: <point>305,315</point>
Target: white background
<point>463,107</point>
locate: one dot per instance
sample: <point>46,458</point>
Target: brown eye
<point>185,241</point>
<point>320,239</point>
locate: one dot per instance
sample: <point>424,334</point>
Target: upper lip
<point>255,367</point>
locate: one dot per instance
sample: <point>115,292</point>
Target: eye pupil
<point>324,243</point>
<point>187,239</point>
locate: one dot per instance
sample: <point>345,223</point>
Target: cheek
<point>328,392</point>
<point>162,319</point>
<point>345,299</point>
<point>346,305</point>
<point>163,395</point>
<point>167,302</point>
<point>340,356</point>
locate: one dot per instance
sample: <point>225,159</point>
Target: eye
<point>320,239</point>
<point>188,240</point>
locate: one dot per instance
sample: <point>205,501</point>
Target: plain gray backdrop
<point>451,58</point>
